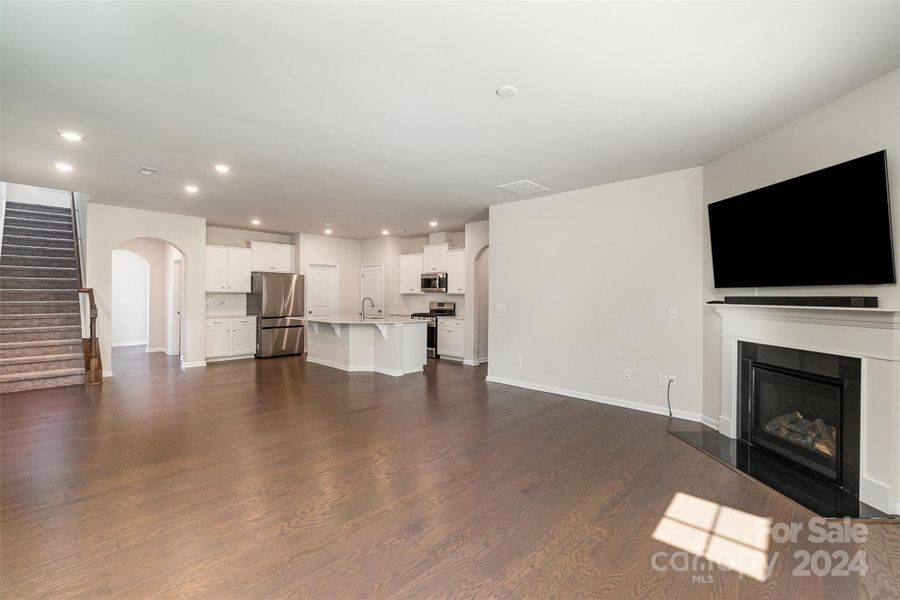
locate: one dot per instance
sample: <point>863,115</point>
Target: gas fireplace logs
<point>812,435</point>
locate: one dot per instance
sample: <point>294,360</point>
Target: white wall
<point>29,194</point>
<point>587,277</point>
<point>864,121</point>
<point>111,226</point>
<point>226,236</point>
<point>130,298</point>
<point>347,254</point>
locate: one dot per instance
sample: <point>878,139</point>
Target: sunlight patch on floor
<point>729,537</point>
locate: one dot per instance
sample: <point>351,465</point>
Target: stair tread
<point>39,343</point>
<point>39,329</point>
<point>18,360</point>
<point>39,302</point>
<point>36,315</point>
<point>39,278</point>
<point>37,267</point>
<point>41,374</point>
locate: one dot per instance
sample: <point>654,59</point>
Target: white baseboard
<point>876,493</point>
<point>107,373</point>
<point>470,363</point>
<point>224,358</point>
<point>709,422</point>
<point>160,349</point>
<point>191,365</point>
<point>122,344</point>
<point>657,410</point>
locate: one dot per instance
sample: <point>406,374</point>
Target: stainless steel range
<point>436,309</point>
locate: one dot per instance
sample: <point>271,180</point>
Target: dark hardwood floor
<point>278,478</point>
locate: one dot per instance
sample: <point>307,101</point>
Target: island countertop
<point>355,320</point>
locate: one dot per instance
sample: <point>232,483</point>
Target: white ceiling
<point>332,110</point>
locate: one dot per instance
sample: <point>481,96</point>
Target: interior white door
<point>177,305</point>
<point>373,287</point>
<point>322,290</point>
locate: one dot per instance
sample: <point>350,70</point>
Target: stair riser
<point>38,295</point>
<point>37,215</point>
<point>39,241</point>
<point>20,271</point>
<point>28,367</point>
<point>40,350</point>
<point>35,336</point>
<point>29,308</point>
<point>12,250</point>
<point>37,223</point>
<point>30,232</point>
<point>11,260</point>
<point>43,208</point>
<point>7,321</point>
<point>37,384</point>
<point>23,283</point>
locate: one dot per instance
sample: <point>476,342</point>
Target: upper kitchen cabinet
<point>227,270</point>
<point>456,272</point>
<point>435,258</point>
<point>411,273</point>
<point>272,257</point>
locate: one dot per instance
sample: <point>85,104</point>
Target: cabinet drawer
<point>218,322</point>
<point>244,321</point>
<point>451,323</point>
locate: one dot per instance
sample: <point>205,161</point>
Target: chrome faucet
<point>372,302</point>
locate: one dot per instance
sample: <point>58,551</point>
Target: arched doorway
<point>162,304</point>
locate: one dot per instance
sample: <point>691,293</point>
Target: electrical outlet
<point>518,359</point>
<point>673,380</point>
<point>626,374</point>
<point>673,312</point>
<point>500,307</point>
<point>663,379</point>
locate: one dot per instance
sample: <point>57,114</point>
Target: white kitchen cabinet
<point>227,270</point>
<point>216,269</point>
<point>450,338</point>
<point>218,341</point>
<point>411,274</point>
<point>435,258</point>
<point>243,340</point>
<point>272,257</point>
<point>456,272</point>
<point>230,337</point>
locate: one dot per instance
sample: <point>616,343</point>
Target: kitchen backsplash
<point>226,305</point>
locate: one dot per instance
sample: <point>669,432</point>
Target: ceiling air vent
<point>523,187</point>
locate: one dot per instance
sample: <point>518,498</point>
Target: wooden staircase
<point>41,343</point>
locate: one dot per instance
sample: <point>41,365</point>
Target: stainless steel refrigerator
<point>277,301</point>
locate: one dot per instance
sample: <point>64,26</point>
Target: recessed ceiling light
<point>221,168</point>
<point>433,223</point>
<point>72,136</point>
<point>64,167</point>
<point>191,189</point>
<point>385,232</point>
<point>352,218</point>
<point>255,221</point>
<point>507,91</point>
<point>327,232</point>
<point>148,171</point>
<point>381,211</point>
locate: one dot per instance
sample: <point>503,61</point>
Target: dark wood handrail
<point>93,370</point>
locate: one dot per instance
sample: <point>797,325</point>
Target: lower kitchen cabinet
<point>230,337</point>
<point>450,338</point>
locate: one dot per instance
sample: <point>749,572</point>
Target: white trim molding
<point>650,408</point>
<point>872,335</point>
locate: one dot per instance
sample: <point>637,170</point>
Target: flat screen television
<point>829,227</point>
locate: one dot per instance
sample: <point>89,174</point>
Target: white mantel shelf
<point>870,334</point>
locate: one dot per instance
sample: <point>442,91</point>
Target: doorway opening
<point>482,303</point>
<point>147,320</point>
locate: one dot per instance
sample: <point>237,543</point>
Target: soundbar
<point>836,301</point>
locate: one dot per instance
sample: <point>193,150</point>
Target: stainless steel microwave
<point>434,282</point>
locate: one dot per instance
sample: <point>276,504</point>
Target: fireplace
<point>803,407</point>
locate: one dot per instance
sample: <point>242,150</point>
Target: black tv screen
<point>829,227</point>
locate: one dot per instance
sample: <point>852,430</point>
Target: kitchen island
<point>393,346</point>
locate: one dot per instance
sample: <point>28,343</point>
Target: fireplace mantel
<point>871,334</point>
